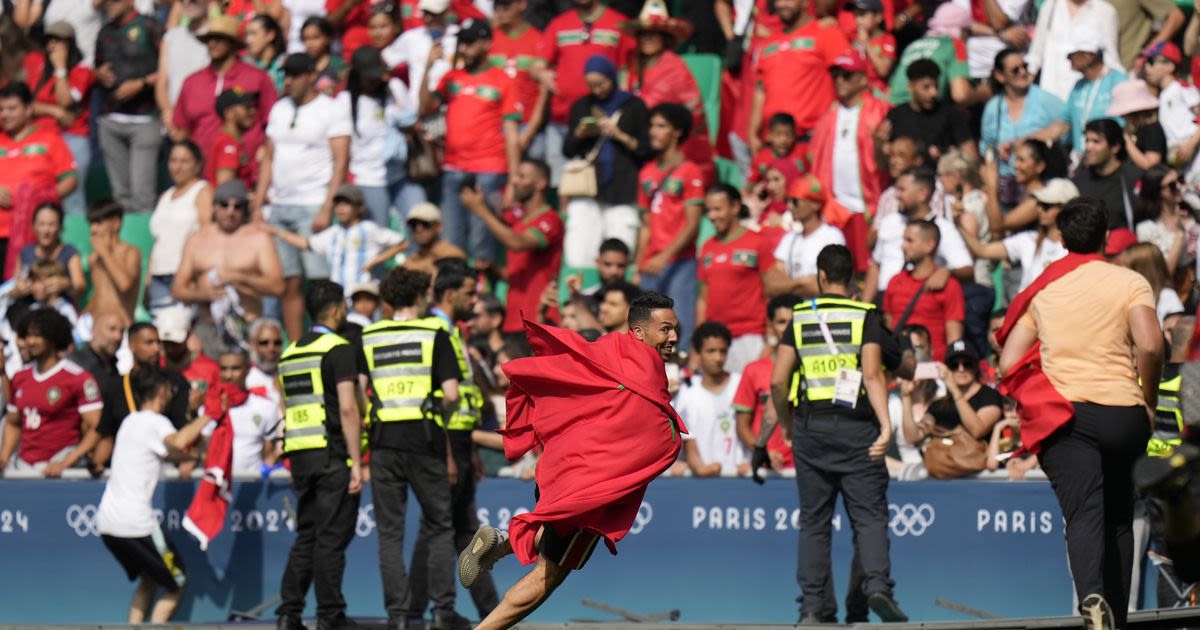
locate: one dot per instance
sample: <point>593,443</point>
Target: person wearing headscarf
<point>610,128</point>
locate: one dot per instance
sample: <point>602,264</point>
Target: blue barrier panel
<point>719,550</point>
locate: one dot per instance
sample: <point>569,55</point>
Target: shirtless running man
<point>228,253</point>
<point>115,267</point>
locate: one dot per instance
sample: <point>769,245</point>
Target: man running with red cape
<point>603,417</point>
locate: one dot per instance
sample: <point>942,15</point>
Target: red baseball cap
<point>807,187</point>
<point>850,61</point>
<point>1119,240</point>
<point>1163,49</point>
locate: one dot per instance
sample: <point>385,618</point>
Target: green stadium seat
<point>728,173</point>
<point>707,71</point>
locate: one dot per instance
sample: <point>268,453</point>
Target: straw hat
<point>655,17</point>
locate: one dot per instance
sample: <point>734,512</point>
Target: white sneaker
<point>1097,615</point>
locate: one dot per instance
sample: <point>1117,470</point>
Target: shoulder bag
<point>579,175</point>
<point>953,453</point>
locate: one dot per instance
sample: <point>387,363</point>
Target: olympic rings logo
<point>366,521</point>
<point>82,519</point>
<point>909,519</point>
<point>645,514</point>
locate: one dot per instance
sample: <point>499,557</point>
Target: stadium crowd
<point>575,153</point>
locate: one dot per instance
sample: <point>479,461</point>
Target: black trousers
<point>325,518</point>
<point>831,459</point>
<point>1090,465</point>
<point>392,473</point>
<point>465,523</point>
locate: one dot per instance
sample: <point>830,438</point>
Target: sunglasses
<point>417,223</point>
<point>262,343</point>
<point>230,203</point>
<point>1173,185</point>
<point>1018,69</point>
<point>961,364</point>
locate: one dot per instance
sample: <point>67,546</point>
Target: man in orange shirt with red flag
<point>603,417</point>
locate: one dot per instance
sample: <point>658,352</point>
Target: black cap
<point>368,61</point>
<point>473,31</point>
<point>231,97</point>
<point>961,350</point>
<point>298,63</point>
<point>865,5</point>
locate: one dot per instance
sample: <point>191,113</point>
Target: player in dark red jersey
<point>55,404</point>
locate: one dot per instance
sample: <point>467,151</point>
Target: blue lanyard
<point>324,330</point>
<point>442,314</point>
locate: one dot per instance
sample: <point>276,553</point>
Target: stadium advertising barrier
<point>717,550</point>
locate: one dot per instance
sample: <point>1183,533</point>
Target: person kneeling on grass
<point>126,514</point>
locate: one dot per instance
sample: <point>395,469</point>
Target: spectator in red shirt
<point>843,152</point>
<point>733,264</point>
<point>229,157</point>
<point>793,71</point>
<point>572,38</point>
<point>872,38</point>
<point>350,18</point>
<point>520,50</point>
<point>658,75</point>
<point>34,162</point>
<point>55,405</point>
<point>482,114</point>
<point>195,116</point>
<point>174,326</point>
<point>63,93</point>
<point>532,234</point>
<point>753,398</point>
<point>941,312</point>
<point>671,198</point>
<point>782,144</point>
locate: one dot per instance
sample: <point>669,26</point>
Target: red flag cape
<point>206,515</point>
<point>603,416</point>
<point>1041,408</point>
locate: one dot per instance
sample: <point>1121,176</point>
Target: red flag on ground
<point>1041,408</point>
<point>602,413</point>
<point>206,515</point>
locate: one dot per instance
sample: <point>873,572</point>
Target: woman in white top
<point>1160,218</point>
<point>1147,259</point>
<point>1033,250</point>
<point>377,148</point>
<point>184,208</point>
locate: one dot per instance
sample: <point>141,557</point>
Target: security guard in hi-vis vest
<point>840,434</point>
<point>319,376</point>
<point>414,392</point>
<point>1168,421</point>
<point>454,295</point>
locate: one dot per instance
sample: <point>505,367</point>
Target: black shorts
<point>570,550</point>
<point>152,555</point>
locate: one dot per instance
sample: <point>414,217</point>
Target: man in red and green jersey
<point>520,50</point>
<point>229,158</point>
<point>532,233</point>
<point>34,159</point>
<point>482,114</point>
<point>753,397</point>
<point>732,267</point>
<point>671,198</point>
<point>792,74</point>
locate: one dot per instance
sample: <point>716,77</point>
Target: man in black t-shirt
<point>1106,174</point>
<point>933,120</point>
<point>411,448</point>
<point>325,459</point>
<point>117,392</point>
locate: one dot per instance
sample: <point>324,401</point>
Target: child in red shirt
<point>228,157</point>
<point>877,45</point>
<point>782,143</point>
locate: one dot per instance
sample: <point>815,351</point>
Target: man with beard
<point>482,116</point>
<point>228,266</point>
<point>266,346</point>
<point>99,356</point>
<point>147,350</point>
<point>592,474</point>
<point>531,232</point>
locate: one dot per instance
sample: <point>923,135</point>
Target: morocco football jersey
<point>49,406</point>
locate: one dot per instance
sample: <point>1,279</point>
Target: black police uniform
<point>830,444</point>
